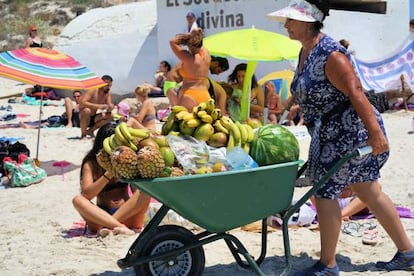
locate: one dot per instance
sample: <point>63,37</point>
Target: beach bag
<point>56,121</point>
<point>25,172</point>
<point>13,151</point>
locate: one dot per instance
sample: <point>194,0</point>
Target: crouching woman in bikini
<point>195,65</point>
<point>118,209</point>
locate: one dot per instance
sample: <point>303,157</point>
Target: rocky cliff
<point>49,16</point>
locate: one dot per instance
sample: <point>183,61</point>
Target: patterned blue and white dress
<point>338,135</point>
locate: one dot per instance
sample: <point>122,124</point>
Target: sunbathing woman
<point>116,210</point>
<point>274,103</point>
<point>236,80</point>
<point>146,118</point>
<point>194,70</point>
<point>172,84</point>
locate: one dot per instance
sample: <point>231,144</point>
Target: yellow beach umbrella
<point>252,45</point>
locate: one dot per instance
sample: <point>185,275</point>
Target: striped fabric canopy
<point>47,68</point>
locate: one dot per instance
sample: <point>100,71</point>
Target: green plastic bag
<point>25,173</point>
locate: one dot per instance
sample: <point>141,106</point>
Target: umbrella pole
<point>245,100</point>
<point>40,123</point>
<point>266,108</point>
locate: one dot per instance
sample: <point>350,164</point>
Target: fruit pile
<point>206,123</point>
<point>135,153</point>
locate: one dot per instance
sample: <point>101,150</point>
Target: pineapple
<point>124,162</point>
<point>104,160</point>
<point>171,172</point>
<point>150,162</point>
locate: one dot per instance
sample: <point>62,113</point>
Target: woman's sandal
<point>352,228</point>
<point>370,237</point>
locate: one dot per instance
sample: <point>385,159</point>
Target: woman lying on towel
<point>350,204</point>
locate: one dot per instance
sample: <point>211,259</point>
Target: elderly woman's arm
<point>342,75</point>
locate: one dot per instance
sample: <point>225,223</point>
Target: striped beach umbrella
<point>48,68</point>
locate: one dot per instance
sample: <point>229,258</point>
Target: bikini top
<point>34,44</point>
<point>211,89</point>
<point>148,118</point>
<point>185,75</point>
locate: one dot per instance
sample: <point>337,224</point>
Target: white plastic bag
<point>190,152</point>
<point>303,217</point>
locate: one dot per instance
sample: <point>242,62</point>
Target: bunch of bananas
<point>205,122</point>
<point>125,136</point>
<point>239,134</point>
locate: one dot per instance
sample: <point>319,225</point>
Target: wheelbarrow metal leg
<point>236,248</point>
<point>286,245</point>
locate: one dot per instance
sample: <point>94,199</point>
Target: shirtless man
<point>90,103</point>
<point>218,65</point>
<point>72,109</point>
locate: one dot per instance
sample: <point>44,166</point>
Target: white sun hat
<point>298,10</point>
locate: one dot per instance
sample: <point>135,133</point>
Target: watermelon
<point>274,144</point>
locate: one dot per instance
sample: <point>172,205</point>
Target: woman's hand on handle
<point>378,142</point>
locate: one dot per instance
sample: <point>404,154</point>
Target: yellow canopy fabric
<point>286,76</point>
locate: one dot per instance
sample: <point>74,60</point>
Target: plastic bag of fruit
<point>190,152</point>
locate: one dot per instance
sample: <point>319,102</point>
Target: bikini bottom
<point>198,95</point>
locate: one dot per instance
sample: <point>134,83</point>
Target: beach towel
<point>384,74</point>
<point>79,229</point>
<point>402,211</point>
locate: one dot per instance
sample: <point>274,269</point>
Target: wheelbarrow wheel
<point>165,239</point>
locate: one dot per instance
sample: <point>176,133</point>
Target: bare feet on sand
<point>119,230</point>
<point>122,231</point>
<point>104,232</point>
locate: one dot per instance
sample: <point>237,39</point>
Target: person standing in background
<point>412,25</point>
<point>191,22</point>
<point>33,40</point>
<point>195,64</point>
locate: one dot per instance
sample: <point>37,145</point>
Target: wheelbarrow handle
<point>364,150</point>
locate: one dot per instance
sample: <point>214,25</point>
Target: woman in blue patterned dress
<point>339,119</point>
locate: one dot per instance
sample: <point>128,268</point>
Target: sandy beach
<point>36,221</point>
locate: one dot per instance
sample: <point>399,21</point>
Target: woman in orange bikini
<point>194,68</point>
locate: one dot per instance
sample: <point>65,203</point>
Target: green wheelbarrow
<point>217,202</point>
